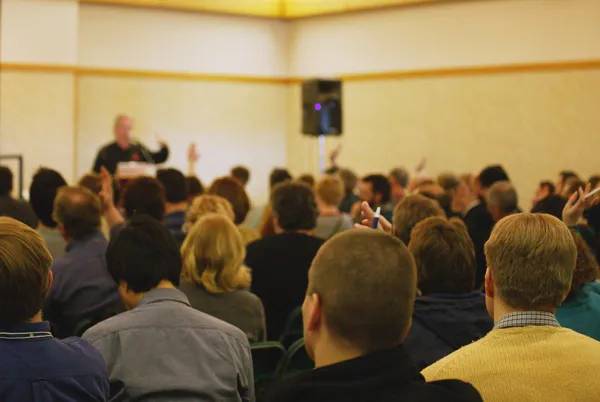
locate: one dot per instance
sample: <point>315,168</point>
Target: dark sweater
<point>19,210</point>
<point>112,154</point>
<point>280,266</point>
<point>444,323</point>
<point>479,223</point>
<point>385,376</point>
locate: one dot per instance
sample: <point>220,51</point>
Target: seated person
<point>241,174</point>
<point>376,190</point>
<point>176,200</point>
<point>16,209</point>
<point>412,210</point>
<point>356,312</point>
<point>215,279</point>
<point>35,367</point>
<point>82,287</point>
<point>329,193</point>
<point>204,205</point>
<point>349,180</point>
<point>280,262</point>
<point>502,200</point>
<point>528,356</point>
<point>163,349</point>
<point>42,192</point>
<point>194,188</point>
<point>448,313</point>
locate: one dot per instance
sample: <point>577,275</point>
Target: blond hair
<point>207,204</point>
<point>330,190</point>
<point>532,260</point>
<point>213,255</point>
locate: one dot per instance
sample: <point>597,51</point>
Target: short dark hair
<point>241,173</point>
<point>279,175</point>
<point>381,185</point>
<point>366,280</point>
<point>6,181</point>
<point>412,210</point>
<point>230,189</point>
<point>193,186</point>
<point>567,174</point>
<point>173,182</point>
<point>143,254</point>
<point>549,184</point>
<point>445,256</point>
<point>552,205</point>
<point>24,267</point>
<point>42,193</point>
<point>307,178</point>
<point>594,181</point>
<point>294,205</point>
<point>78,210</point>
<point>144,195</point>
<point>491,175</point>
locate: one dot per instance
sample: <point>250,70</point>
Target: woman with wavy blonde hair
<point>215,279</point>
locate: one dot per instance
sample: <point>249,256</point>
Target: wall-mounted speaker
<point>322,107</point>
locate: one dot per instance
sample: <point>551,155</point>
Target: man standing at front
<point>123,149</point>
<point>528,356</point>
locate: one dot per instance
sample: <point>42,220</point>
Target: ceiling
<point>286,9</point>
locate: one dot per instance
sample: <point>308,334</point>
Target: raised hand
<point>368,215</point>
<point>193,154</point>
<point>576,205</point>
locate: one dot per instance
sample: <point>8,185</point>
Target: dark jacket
<point>112,154</point>
<point>479,223</point>
<point>385,376</point>
<point>444,323</point>
<point>280,266</point>
<point>19,210</point>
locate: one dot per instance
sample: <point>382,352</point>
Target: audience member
<point>280,262</point>
<point>241,174</point>
<point>502,200</point>
<point>266,227</point>
<point>571,185</point>
<point>329,192</point>
<point>42,192</point>
<point>375,189</point>
<point>92,181</point>
<point>307,179</point>
<point>234,192</point>
<point>449,183</point>
<point>279,175</point>
<point>531,262</point>
<point>16,209</point>
<point>544,190</point>
<point>163,349</point>
<point>448,314</point>
<point>204,205</point>
<point>594,181</point>
<point>82,287</point>
<point>357,310</point>
<point>176,200</point>
<point>194,188</point>
<point>399,179</point>
<point>412,210</point>
<point>215,279</point>
<point>552,204</point>
<point>563,176</point>
<point>35,366</point>
<point>487,177</point>
<point>349,180</point>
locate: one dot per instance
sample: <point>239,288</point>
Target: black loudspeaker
<point>322,107</point>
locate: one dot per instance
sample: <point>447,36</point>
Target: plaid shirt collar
<point>527,318</point>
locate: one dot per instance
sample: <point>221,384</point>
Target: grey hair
<point>503,195</point>
<point>401,176</point>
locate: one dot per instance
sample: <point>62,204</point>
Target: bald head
<point>366,282</point>
<point>78,211</point>
<point>502,200</point>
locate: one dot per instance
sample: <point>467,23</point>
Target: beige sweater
<point>527,364</point>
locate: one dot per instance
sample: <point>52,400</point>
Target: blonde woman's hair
<point>213,255</point>
<point>207,204</point>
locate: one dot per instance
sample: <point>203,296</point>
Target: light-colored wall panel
<point>36,120</point>
<point>232,123</point>
<point>146,39</point>
<point>535,124</point>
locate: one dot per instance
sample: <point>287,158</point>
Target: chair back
<point>266,358</point>
<point>296,360</point>
<point>293,329</point>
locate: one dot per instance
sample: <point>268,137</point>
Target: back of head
<point>144,195</point>
<point>400,175</point>
<point>234,192</point>
<point>445,256</point>
<point>586,267</point>
<point>552,205</point>
<point>412,210</point>
<point>194,187</point>
<point>293,205</point>
<point>143,254</point>
<point>567,174</point>
<point>381,185</point>
<point>448,181</point>
<point>503,195</point>
<point>330,190</point>
<point>213,255</point>
<point>491,175</point>
<point>531,258</point>
<point>42,192</point>
<point>6,181</point>
<point>173,181</point>
<point>24,268</point>
<point>207,204</point>
<point>91,181</point>
<point>349,179</point>
<point>78,211</point>
<point>279,175</point>
<point>570,186</point>
<point>594,181</point>
<point>241,174</point>
<point>307,179</point>
<point>366,281</point>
